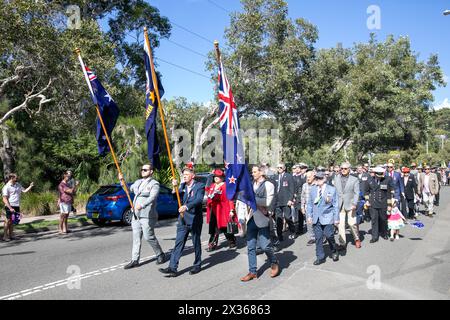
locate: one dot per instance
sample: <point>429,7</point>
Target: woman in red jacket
<point>219,211</point>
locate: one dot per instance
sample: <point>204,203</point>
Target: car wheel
<point>99,222</point>
<point>127,217</point>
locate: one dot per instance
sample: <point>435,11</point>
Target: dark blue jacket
<point>194,215</point>
<point>398,185</point>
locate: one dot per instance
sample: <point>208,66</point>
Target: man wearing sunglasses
<point>146,191</point>
<point>428,187</point>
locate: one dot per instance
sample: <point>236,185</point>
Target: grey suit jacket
<point>348,196</point>
<point>145,193</point>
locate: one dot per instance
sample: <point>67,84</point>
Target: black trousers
<point>408,208</point>
<point>300,224</point>
<point>281,214</point>
<point>436,199</point>
<point>214,232</point>
<point>378,217</point>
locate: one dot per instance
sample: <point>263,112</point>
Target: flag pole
<point>216,45</point>
<point>124,185</point>
<point>161,113</point>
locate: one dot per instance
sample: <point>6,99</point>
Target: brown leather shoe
<point>274,270</point>
<point>249,276</point>
<point>358,244</point>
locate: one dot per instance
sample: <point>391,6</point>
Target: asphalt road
<point>46,267</point>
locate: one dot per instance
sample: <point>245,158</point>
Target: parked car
<point>110,203</point>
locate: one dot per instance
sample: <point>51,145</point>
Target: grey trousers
<point>146,227</point>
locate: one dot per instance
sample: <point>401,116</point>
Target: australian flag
<point>237,176</point>
<point>151,107</point>
<point>108,110</point>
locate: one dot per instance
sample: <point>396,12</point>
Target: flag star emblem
<point>226,165</point>
<point>108,96</point>
<point>239,158</point>
<point>104,137</point>
<point>232,180</point>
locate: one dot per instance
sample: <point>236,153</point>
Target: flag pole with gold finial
<point>161,114</point>
<point>122,181</point>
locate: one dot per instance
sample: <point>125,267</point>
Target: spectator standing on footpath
<point>11,198</point>
<point>66,192</point>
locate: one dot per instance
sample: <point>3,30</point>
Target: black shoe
<point>373,240</point>
<point>276,249</point>
<point>161,258</point>
<point>318,261</point>
<point>168,272</point>
<point>259,251</point>
<point>132,264</point>
<point>195,270</point>
<point>335,256</point>
<point>385,237</point>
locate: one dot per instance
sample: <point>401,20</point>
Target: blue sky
<point>342,21</point>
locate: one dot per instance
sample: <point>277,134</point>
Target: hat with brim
<point>319,175</point>
<point>378,170</point>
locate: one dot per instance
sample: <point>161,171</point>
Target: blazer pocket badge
<point>328,198</point>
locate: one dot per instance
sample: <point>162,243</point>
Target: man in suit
<point>299,180</point>
<point>435,170</point>
<point>347,187</point>
<point>258,225</point>
<point>378,194</point>
<point>410,187</point>
<point>363,177</point>
<point>323,212</point>
<point>190,221</point>
<point>285,200</point>
<point>428,187</point>
<point>146,191</point>
<point>396,177</point>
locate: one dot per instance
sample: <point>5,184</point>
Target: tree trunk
<point>6,152</point>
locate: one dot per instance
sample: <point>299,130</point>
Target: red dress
<point>219,205</point>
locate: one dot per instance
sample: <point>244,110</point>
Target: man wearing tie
<point>285,185</point>
<point>399,191</point>
<point>323,211</point>
<point>190,221</point>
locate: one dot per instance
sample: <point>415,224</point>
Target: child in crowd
<point>395,221</point>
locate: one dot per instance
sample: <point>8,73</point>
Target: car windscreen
<point>105,190</point>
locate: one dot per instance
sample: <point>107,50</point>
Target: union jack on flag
<point>238,183</point>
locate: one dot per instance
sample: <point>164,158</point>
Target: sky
<point>197,23</point>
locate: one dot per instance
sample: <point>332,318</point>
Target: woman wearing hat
<point>219,211</point>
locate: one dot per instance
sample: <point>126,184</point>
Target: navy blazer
<point>399,188</point>
<point>193,201</point>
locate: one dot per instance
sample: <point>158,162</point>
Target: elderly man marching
<point>347,187</point>
<point>378,194</point>
<point>322,212</point>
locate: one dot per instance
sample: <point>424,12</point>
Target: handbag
<point>232,227</point>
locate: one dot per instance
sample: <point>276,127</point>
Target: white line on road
<point>58,283</point>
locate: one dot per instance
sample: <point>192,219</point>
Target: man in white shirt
<point>11,198</point>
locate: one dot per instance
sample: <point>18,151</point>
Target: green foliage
<point>39,204</point>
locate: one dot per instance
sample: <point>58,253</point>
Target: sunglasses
<point>145,169</point>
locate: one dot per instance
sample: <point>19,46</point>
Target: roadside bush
<point>39,204</point>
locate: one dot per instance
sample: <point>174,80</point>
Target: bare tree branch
<point>29,97</point>
<point>18,74</point>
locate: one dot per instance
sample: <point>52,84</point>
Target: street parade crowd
<point>317,202</point>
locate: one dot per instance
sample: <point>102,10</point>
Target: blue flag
<point>108,110</point>
<point>151,107</point>
<point>237,177</point>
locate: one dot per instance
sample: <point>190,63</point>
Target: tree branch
<point>24,105</point>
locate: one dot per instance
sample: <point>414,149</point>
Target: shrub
<point>39,204</point>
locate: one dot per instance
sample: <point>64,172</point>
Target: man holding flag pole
<point>238,179</point>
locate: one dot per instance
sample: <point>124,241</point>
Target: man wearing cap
<point>396,177</point>
<point>190,221</point>
<point>428,187</point>
<point>323,212</point>
<point>378,194</point>
<point>285,190</point>
<point>410,187</point>
<point>347,187</point>
<point>299,180</point>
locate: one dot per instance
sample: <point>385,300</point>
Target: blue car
<point>110,203</point>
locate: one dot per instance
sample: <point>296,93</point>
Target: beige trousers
<point>350,216</point>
